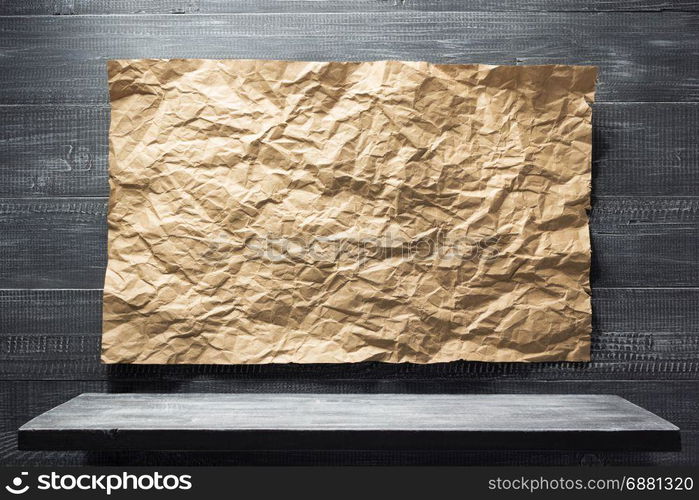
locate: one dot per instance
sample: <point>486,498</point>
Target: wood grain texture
<point>642,56</point>
<point>647,149</point>
<point>639,149</point>
<point>676,401</point>
<point>61,243</point>
<point>96,7</point>
<point>53,244</point>
<point>54,150</point>
<point>640,334</point>
<point>204,422</point>
<point>645,242</point>
<point>671,401</point>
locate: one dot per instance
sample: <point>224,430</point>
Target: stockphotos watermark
<point>18,485</point>
<point>356,249</point>
<point>106,483</point>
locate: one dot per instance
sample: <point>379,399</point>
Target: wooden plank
<point>53,243</point>
<point>676,400</point>
<point>639,149</point>
<point>50,311</point>
<point>645,242</point>
<point>54,150</point>
<point>647,149</point>
<point>203,422</point>
<point>97,7</point>
<point>638,334</point>
<point>61,243</point>
<point>20,401</point>
<point>642,56</point>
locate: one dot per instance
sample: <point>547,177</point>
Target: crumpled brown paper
<point>275,211</point>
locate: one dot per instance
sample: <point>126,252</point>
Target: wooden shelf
<point>347,421</point>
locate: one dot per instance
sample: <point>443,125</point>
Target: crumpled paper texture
<point>327,212</point>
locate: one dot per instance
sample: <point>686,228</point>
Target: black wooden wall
<point>53,188</point>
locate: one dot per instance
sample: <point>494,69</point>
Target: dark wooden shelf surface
<point>347,421</point>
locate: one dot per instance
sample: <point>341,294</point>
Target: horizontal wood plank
<point>53,244</point>
<point>642,56</point>
<point>645,242</point>
<point>645,149</point>
<point>101,7</point>
<point>54,150</point>
<point>205,422</point>
<point>62,243</point>
<point>637,334</point>
<point>675,401</point>
<point>21,401</point>
<point>639,149</point>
